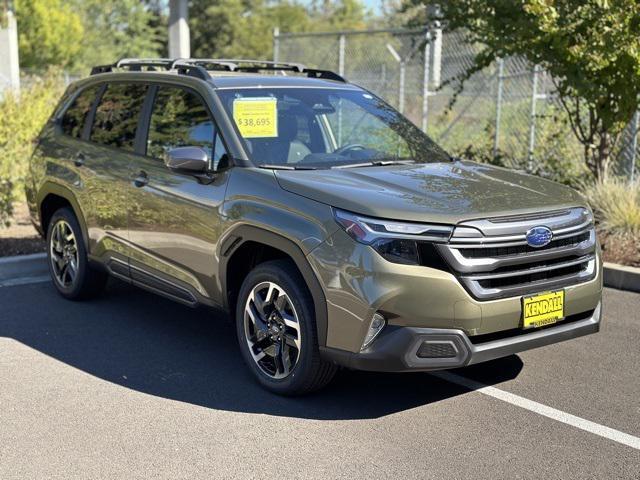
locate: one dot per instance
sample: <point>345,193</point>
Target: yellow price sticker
<point>256,117</point>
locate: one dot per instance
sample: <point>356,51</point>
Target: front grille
<point>523,249</point>
<point>493,260</point>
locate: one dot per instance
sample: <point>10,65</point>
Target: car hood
<point>437,192</point>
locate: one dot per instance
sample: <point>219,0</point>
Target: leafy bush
<point>21,118</point>
<point>6,202</point>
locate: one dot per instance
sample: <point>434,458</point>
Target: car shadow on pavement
<point>152,345</point>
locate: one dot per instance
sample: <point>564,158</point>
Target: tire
<point>269,340</point>
<point>71,273</point>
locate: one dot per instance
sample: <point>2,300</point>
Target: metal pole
<point>341,47</point>
<point>179,39</point>
<point>401,87</point>
<point>10,66</point>
<point>496,135</point>
<point>425,82</point>
<point>634,145</point>
<point>276,44</point>
<point>437,55</point>
<point>532,120</point>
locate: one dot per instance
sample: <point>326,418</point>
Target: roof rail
<point>197,67</point>
<point>247,65</point>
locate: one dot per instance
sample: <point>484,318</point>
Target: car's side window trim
<point>88,124</point>
<point>142,134</point>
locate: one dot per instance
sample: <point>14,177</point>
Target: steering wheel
<point>350,147</point>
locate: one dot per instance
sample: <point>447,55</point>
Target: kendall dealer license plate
<point>542,309</point>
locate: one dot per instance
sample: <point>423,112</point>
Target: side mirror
<point>188,160</point>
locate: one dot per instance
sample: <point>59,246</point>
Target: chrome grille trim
<point>560,222</point>
<point>508,257</point>
<point>527,288</point>
<point>531,271</point>
<point>455,257</point>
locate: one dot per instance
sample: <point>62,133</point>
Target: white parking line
<point>539,408</point>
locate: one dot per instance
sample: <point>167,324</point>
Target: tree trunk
<point>599,157</point>
<point>603,155</point>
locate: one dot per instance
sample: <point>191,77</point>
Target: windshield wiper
<point>285,167</point>
<point>376,163</point>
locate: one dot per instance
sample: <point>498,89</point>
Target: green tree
<point>119,28</point>
<point>50,33</point>
<point>240,28</point>
<point>339,15</point>
<point>243,28</point>
<point>590,47</point>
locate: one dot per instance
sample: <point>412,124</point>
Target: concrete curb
<point>621,277</point>
<point>22,258</point>
<point>23,269</point>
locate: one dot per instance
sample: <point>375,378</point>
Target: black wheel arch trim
<point>51,188</point>
<point>239,235</point>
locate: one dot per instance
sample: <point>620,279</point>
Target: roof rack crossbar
<point>144,62</point>
<point>191,70</point>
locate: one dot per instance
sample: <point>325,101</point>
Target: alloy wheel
<point>63,250</point>
<point>272,330</point>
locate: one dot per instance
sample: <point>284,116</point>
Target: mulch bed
<point>620,249</point>
<point>20,238</point>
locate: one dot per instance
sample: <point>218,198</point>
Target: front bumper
<point>402,349</point>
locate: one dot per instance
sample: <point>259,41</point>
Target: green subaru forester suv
<point>334,231</point>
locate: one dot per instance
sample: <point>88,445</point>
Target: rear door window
<point>74,118</point>
<point>117,114</point>
<point>179,118</point>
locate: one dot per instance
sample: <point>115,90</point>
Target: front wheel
<point>277,332</point>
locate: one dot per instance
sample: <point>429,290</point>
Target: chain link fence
<point>507,113</point>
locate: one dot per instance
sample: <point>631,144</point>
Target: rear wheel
<point>277,331</point>
<point>69,266</point>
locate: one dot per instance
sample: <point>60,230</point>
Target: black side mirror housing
<point>193,160</point>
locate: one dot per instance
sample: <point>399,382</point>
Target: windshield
<point>324,128</point>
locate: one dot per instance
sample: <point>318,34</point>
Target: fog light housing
<point>378,322</point>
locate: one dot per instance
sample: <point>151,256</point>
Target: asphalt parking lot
<point>134,386</point>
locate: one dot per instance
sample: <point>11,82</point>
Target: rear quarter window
<point>73,120</point>
<point>117,114</point>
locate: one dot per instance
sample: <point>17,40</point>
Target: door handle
<point>79,161</point>
<point>141,180</point>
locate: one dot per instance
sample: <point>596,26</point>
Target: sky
<point>373,5</point>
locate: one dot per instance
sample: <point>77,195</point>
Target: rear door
<point>174,219</point>
<point>106,157</point>
<point>61,149</point>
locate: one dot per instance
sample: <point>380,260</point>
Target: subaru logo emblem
<point>539,237</point>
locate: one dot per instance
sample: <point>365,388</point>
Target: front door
<point>174,221</point>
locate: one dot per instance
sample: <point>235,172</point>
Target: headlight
<point>395,241</point>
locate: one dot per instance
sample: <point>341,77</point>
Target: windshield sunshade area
<point>325,128</point>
